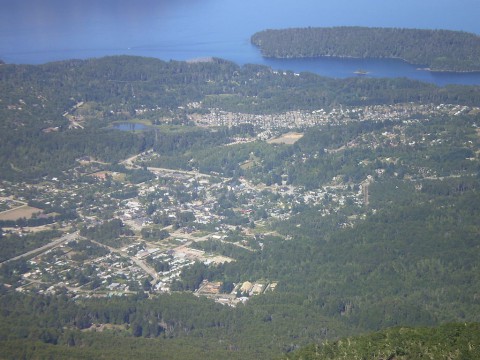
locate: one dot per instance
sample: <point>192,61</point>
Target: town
<point>172,220</point>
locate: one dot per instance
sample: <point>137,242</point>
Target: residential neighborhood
<point>178,218</point>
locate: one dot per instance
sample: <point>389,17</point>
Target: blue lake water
<point>34,31</point>
<point>129,126</point>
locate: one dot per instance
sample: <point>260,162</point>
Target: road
<point>141,264</point>
<point>129,163</point>
<point>174,171</point>
<point>51,245</point>
<point>206,237</point>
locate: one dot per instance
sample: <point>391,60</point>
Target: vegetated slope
<point>450,341</point>
<point>36,139</point>
<point>415,262</point>
<point>409,265</point>
<point>439,50</point>
<point>410,258</point>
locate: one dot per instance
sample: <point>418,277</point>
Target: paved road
<point>149,270</point>
<point>129,162</point>
<point>174,171</point>
<point>58,242</point>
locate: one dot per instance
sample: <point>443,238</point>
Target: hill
<point>450,341</point>
<point>366,220</point>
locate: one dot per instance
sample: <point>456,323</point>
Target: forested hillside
<point>451,341</point>
<point>437,50</point>
<point>357,201</point>
<point>39,103</point>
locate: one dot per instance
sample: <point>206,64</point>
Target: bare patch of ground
<point>20,212</point>
<point>287,139</point>
<point>103,327</point>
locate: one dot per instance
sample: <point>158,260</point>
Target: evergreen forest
<point>436,50</point>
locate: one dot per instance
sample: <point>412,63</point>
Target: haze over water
<point>34,31</point>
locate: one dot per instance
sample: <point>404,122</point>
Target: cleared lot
<point>288,138</point>
<point>20,212</point>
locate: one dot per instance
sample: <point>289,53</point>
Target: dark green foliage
<point>391,269</point>
<point>38,154</point>
<point>222,248</point>
<point>13,245</point>
<point>86,249</point>
<point>11,272</point>
<point>450,341</point>
<point>43,327</point>
<point>34,98</point>
<point>138,176</point>
<point>440,50</point>
<point>153,233</point>
<point>191,277</point>
<point>159,265</point>
<point>227,287</point>
<point>109,233</point>
<point>210,330</point>
<point>172,141</point>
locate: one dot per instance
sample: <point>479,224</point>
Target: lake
<point>34,32</point>
<point>130,126</point>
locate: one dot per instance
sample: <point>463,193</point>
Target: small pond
<point>129,126</point>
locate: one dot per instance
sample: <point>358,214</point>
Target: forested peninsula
<point>435,50</point>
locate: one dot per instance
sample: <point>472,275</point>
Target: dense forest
<point>46,327</point>
<point>437,50</point>
<point>450,341</point>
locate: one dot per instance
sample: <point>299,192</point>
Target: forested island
<point>256,214</point>
<point>434,50</point>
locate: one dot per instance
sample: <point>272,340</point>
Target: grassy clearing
<point>287,139</point>
<point>20,212</point>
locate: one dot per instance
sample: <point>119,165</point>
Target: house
<point>246,287</point>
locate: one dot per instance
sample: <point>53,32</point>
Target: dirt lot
<point>288,138</point>
<point>24,211</point>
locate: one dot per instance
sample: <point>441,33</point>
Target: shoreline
<point>429,69</point>
<point>449,71</point>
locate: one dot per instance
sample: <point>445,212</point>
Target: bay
<point>34,32</point>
